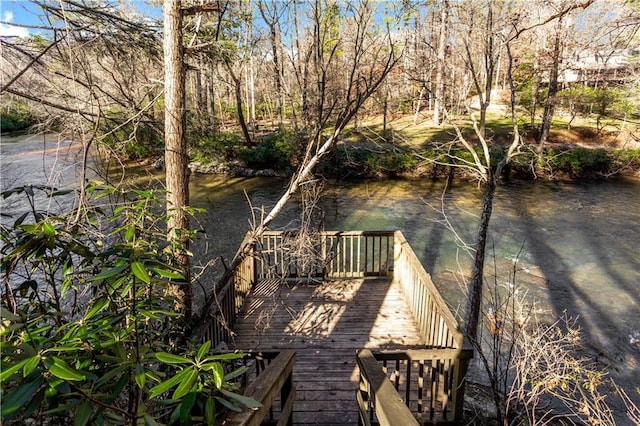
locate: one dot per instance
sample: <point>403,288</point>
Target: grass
<point>403,133</point>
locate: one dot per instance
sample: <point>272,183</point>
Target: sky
<point>15,11</point>
<point>24,12</point>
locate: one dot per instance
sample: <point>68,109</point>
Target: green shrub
<point>89,333</point>
<point>398,162</point>
<point>277,150</point>
<point>222,146</point>
<point>625,159</point>
<point>581,162</point>
<point>578,98</point>
<point>16,119</point>
<point>129,139</point>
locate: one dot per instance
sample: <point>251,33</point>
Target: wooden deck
<point>326,323</point>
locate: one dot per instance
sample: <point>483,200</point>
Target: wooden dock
<point>363,335</point>
<point>326,323</point>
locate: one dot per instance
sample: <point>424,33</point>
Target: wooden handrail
<point>437,324</point>
<point>275,380</point>
<point>228,302</point>
<point>429,380</point>
<point>377,395</point>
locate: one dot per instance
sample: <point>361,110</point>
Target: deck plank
<point>326,324</point>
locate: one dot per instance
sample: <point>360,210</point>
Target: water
<point>577,244</point>
<point>38,160</point>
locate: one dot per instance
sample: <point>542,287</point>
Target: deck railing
<point>442,363</point>
<point>437,324</point>
<point>378,401</point>
<point>273,387</point>
<point>325,254</point>
<point>228,302</point>
<point>428,381</point>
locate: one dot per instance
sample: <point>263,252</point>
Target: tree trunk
<point>274,36</point>
<point>550,105</point>
<point>477,273</point>
<point>237,86</point>
<point>176,160</point>
<point>200,95</point>
<point>535,90</point>
<point>211,102</point>
<point>438,104</point>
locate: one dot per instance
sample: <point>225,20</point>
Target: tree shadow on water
<point>603,338</point>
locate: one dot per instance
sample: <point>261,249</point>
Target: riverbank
<point>404,148</point>
<point>557,162</point>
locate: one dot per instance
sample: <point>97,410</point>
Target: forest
<point>99,312</point>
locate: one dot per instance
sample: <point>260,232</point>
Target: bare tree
<point>483,26</point>
<point>441,63</point>
<point>488,174</point>
<point>365,49</point>
<point>559,10</point>
<point>272,13</point>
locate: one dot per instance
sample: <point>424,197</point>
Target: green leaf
<point>48,229</point>
<point>149,314</point>
<point>143,193</point>
<point>236,373</point>
<point>21,219</point>
<point>175,416</point>
<point>117,389</point>
<point>218,374</point>
<point>35,403</point>
<point>108,273</point>
<point>97,307</point>
<point>13,401</point>
<point>225,357</point>
<point>113,286</point>
<point>140,376</point>
<point>185,408</point>
<point>111,373</point>
<point>74,348</point>
<point>149,421</point>
<point>8,372</point>
<point>61,192</point>
<point>30,365</point>
<point>187,384</point>
<point>81,250</point>
<point>163,387</point>
<point>172,359</point>
<point>125,289</point>
<point>244,400</point>
<point>204,349</point>
<point>230,405</point>
<point>168,274</point>
<point>210,411</point>
<point>8,315</point>
<point>60,369</point>
<point>140,272</point>
<point>131,232</point>
<point>26,286</point>
<point>83,414</point>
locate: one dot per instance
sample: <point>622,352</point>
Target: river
<point>577,244</point>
